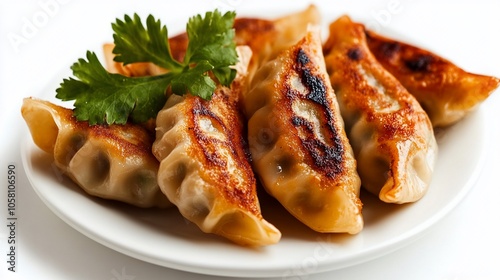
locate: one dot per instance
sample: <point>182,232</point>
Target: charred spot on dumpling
<point>318,135</point>
<point>389,49</point>
<point>100,167</point>
<point>301,122</point>
<point>419,64</point>
<point>314,84</point>
<point>355,53</point>
<point>317,89</point>
<point>327,158</point>
<point>302,57</point>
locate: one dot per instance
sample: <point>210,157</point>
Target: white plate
<point>163,237</point>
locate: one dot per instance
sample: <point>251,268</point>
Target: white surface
<point>464,245</point>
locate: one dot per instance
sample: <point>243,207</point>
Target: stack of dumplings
<point>311,123</point>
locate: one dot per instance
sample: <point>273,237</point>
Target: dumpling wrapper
<point>391,135</point>
<point>298,145</point>
<point>205,169</point>
<point>445,91</point>
<point>269,37</point>
<point>112,162</point>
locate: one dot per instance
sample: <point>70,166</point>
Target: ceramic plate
<point>164,238</point>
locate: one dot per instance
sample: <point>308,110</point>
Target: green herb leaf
<point>211,39</point>
<point>195,80</point>
<point>102,97</point>
<point>134,43</point>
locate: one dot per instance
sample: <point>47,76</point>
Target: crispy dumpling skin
<point>299,148</point>
<point>391,135</point>
<point>112,162</point>
<point>205,169</point>
<point>445,91</point>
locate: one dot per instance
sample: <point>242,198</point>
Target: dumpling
<point>445,91</point>
<point>205,169</point>
<point>391,135</point>
<point>112,162</point>
<point>298,145</point>
<point>267,38</point>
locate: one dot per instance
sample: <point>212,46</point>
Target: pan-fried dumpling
<point>298,145</point>
<point>205,169</point>
<point>445,91</point>
<point>267,38</point>
<point>390,133</point>
<point>113,162</point>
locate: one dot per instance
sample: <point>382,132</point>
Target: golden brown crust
<point>112,162</point>
<point>205,166</point>
<point>124,140</point>
<point>325,155</point>
<point>349,63</point>
<point>386,124</point>
<point>216,154</point>
<point>433,80</point>
<point>299,148</point>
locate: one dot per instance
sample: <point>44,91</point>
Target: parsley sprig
<point>102,97</point>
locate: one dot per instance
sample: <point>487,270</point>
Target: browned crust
<point>238,189</point>
<point>346,52</point>
<point>258,35</point>
<point>250,31</point>
<point>428,76</point>
<point>127,140</point>
<point>326,156</point>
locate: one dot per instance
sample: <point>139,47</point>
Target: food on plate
<point>445,91</point>
<point>299,149</point>
<point>101,97</point>
<point>205,169</point>
<point>266,38</point>
<point>112,162</point>
<point>311,123</point>
<point>391,135</point>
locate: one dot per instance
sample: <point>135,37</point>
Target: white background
<point>39,39</point>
